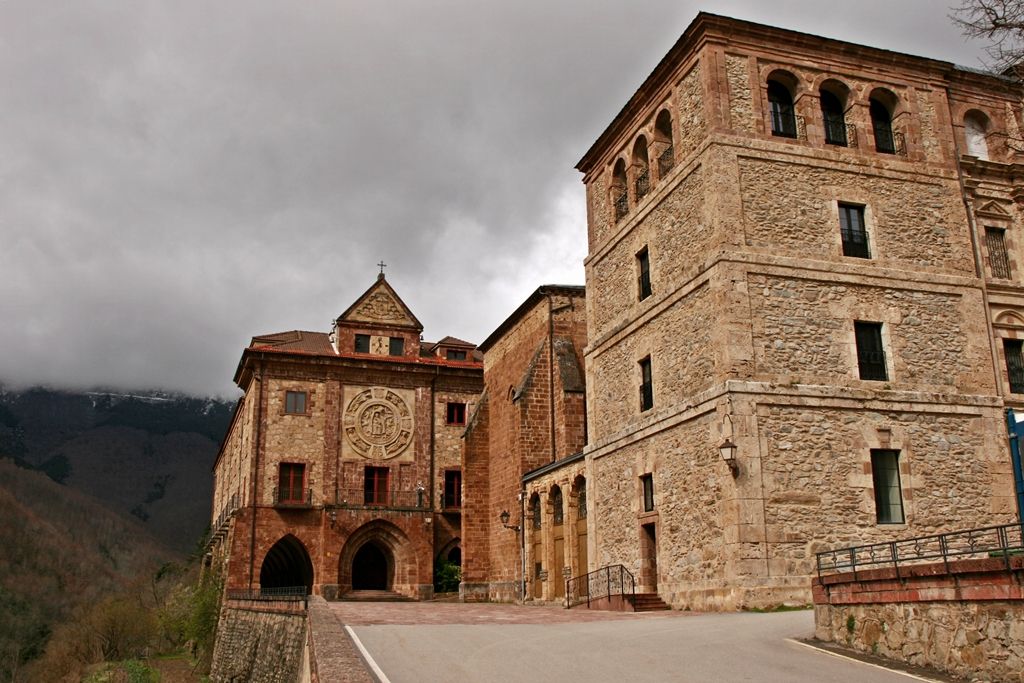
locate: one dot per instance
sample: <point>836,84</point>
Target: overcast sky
<point>178,176</point>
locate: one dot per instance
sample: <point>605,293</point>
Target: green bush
<point>447,576</point>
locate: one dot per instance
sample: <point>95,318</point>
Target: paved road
<point>410,645</point>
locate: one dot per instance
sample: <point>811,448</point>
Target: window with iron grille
<point>852,230</point>
<point>870,353</point>
<point>833,118</point>
<point>362,343</point>
<point>291,483</point>
<point>295,402</point>
<point>456,414</point>
<point>647,488</point>
<point>375,486</point>
<point>885,475</point>
<point>780,102</point>
<point>646,385</point>
<point>998,260</point>
<point>643,264</point>
<point>535,511</point>
<point>881,123</point>
<point>396,346</point>
<point>453,489</point>
<point>1013,349</point>
<point>557,509</point>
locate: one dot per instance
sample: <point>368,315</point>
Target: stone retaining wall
<point>966,618</point>
<point>259,641</point>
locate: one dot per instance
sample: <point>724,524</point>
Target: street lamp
<point>504,517</point>
<point>728,450</point>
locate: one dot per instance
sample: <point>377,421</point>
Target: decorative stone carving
<point>380,307</point>
<point>378,423</point>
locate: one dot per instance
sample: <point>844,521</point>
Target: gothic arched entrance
<point>372,568</point>
<point>287,565</point>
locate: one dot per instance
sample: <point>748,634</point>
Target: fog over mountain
<point>180,176</point>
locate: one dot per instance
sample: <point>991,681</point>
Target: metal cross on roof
<point>382,266</point>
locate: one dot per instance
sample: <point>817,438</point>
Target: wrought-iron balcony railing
<point>621,205</point>
<point>835,131</point>
<point>642,185</point>
<point>291,498</point>
<point>1000,542</point>
<point>605,582</point>
<point>416,499</point>
<point>284,593</point>
<point>666,160</point>
<point>888,141</point>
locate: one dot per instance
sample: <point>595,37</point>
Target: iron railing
<point>416,499</point>
<point>993,541</point>
<point>888,141</point>
<point>621,205</point>
<point>226,513</point>
<point>835,130</point>
<point>605,582</point>
<point>284,593</point>
<point>642,184</point>
<point>666,160</point>
<point>285,498</point>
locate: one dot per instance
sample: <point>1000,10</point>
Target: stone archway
<point>373,568</point>
<point>287,565</point>
<point>380,554</point>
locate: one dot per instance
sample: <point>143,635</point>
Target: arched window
<point>976,132</point>
<point>557,509</point>
<point>535,511</point>
<point>581,498</point>
<point>881,123</point>
<point>663,134</point>
<point>780,101</point>
<point>619,198</point>
<point>642,184</point>
<point>833,118</point>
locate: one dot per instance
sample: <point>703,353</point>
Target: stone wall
<point>967,620</point>
<point>259,642</point>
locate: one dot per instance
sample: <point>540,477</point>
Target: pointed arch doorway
<point>373,568</point>
<point>287,565</point>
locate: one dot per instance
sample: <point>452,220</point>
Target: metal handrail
<point>1002,540</point>
<point>282,498</point>
<point>282,593</point>
<point>608,581</point>
<point>416,499</point>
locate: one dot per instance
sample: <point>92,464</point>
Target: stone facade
<point>531,414</point>
<point>259,642</point>
<point>341,468</point>
<point>775,230</point>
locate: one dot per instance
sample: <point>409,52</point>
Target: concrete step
<point>374,596</point>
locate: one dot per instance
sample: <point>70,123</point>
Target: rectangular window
<point>647,485</point>
<point>362,343</point>
<point>452,354</point>
<point>295,402</point>
<point>998,260</point>
<point>870,354</point>
<point>291,483</point>
<point>885,473</point>
<point>1013,349</point>
<point>643,266</point>
<point>851,228</point>
<point>646,385</point>
<point>396,346</point>
<point>375,486</point>
<point>453,489</point>
<point>456,414</point>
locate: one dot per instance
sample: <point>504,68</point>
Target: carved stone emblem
<point>378,423</point>
<point>380,306</point>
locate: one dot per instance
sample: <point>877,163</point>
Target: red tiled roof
<point>318,344</point>
<point>453,341</point>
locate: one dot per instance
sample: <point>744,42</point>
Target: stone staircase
<point>374,596</point>
<point>648,602</point>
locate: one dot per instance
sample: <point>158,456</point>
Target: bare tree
<point>1000,23</point>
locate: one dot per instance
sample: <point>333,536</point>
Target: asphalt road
<point>708,647</point>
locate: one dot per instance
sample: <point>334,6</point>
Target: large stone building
<point>803,254</point>
<point>341,468</point>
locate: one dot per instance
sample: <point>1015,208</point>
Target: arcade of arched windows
<point>556,533</point>
<point>650,158</point>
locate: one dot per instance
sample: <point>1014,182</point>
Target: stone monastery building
<point>802,324</point>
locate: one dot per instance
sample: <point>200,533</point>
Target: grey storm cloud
<point>176,177</point>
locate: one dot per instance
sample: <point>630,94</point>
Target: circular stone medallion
<point>378,423</point>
